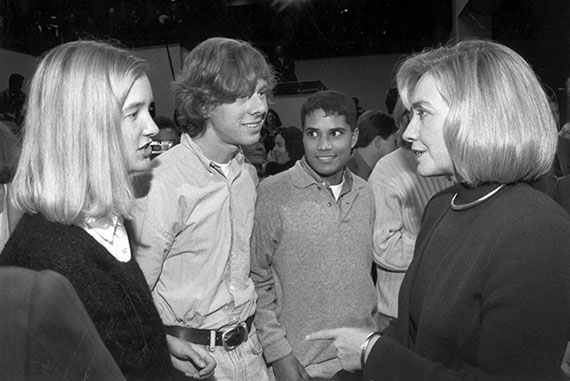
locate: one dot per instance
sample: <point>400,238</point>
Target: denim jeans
<point>245,363</point>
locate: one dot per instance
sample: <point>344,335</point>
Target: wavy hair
<point>500,127</point>
<point>217,71</point>
<point>73,163</point>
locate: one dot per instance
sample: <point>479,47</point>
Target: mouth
<point>418,152</point>
<point>326,158</point>
<point>254,125</point>
<point>146,148</point>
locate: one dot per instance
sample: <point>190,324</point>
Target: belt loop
<point>212,340</point>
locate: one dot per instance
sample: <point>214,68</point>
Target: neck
<point>369,156</point>
<point>213,148</point>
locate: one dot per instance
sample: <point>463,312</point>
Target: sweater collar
<point>304,176</point>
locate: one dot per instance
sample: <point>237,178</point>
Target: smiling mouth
<point>254,125</point>
<point>325,159</point>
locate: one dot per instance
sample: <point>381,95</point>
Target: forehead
<point>425,91</point>
<point>140,93</point>
<point>320,120</point>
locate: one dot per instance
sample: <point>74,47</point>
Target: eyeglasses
<point>160,146</point>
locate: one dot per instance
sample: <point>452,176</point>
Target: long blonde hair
<point>73,163</point>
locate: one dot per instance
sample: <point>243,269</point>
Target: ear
<point>354,137</point>
<point>378,141</point>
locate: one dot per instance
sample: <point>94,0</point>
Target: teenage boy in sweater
<point>312,246</point>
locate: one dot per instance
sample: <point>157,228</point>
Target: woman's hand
<point>192,360</point>
<point>348,343</point>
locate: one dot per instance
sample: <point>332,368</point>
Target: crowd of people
<point>221,245</point>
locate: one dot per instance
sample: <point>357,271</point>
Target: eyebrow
<point>418,104</point>
<point>134,105</point>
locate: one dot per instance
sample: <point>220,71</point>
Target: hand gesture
<point>348,343</point>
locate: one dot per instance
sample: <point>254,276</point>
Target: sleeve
<point>62,340</point>
<point>393,245</point>
<point>525,309</point>
<point>264,243</point>
<point>150,227</point>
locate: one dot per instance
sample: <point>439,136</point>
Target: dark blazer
<point>45,332</point>
<point>486,296</point>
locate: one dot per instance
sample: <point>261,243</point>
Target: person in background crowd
<point>287,150</point>
<point>168,135</point>
<point>283,64</point>
<point>400,195</point>
<point>376,138</point>
<point>256,156</point>
<point>486,296</point>
<point>312,246</point>
<point>12,101</point>
<point>9,154</point>
<point>193,220</point>
<point>83,142</point>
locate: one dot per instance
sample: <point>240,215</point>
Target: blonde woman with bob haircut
<point>87,131</point>
<point>486,295</point>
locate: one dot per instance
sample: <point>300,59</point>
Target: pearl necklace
<point>471,204</point>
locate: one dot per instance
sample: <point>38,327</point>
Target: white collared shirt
<point>111,233</point>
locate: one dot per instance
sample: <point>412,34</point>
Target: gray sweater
<point>310,262</point>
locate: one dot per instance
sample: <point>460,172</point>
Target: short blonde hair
<point>73,163</point>
<point>500,127</point>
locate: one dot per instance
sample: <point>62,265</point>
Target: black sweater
<point>115,294</point>
<point>487,294</point>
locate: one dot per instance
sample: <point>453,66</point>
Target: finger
<point>184,366</point>
<point>325,334</point>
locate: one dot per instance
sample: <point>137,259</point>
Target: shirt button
<point>329,204</point>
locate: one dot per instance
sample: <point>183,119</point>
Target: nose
<point>411,133</point>
<point>324,143</point>
<point>258,104</point>
<point>150,128</point>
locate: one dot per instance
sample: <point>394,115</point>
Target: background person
<point>312,246</point>
<point>486,295</point>
<point>287,150</point>
<point>400,196</point>
<point>376,138</point>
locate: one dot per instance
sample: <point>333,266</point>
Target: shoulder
<point>276,183</point>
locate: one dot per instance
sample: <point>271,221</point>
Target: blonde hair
<point>73,164</point>
<point>500,127</point>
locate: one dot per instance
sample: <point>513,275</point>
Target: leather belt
<point>229,339</point>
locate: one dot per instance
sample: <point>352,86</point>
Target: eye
<point>311,134</point>
<point>132,115</point>
<point>336,133</point>
<point>421,113</point>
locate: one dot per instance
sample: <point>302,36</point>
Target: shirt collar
<point>306,176</point>
<point>105,227</point>
<point>187,142</point>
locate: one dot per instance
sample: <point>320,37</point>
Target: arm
<point>271,333</point>
<point>148,230</point>
<point>393,244</point>
<point>525,311</point>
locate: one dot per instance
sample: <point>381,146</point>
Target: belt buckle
<point>233,337</point>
